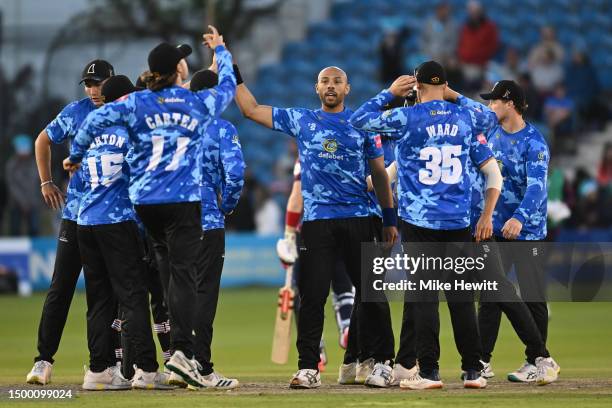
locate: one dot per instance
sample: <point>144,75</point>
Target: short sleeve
<point>373,146</point>
<point>479,150</point>
<point>287,120</point>
<point>62,126</point>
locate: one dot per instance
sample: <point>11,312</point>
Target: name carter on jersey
<point>171,119</point>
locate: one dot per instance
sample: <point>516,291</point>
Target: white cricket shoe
<point>527,373</point>
<point>474,379</point>
<point>486,372</point>
<point>151,380</point>
<point>416,382</point>
<point>363,370</point>
<point>380,377</point>
<point>347,374</point>
<point>110,379</point>
<point>217,381</point>
<point>188,369</point>
<point>40,373</point>
<point>400,373</point>
<point>306,379</point>
<point>175,379</point>
<point>547,370</point>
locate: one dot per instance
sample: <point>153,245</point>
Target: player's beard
<point>332,102</point>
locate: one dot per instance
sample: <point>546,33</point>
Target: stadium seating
<point>350,38</point>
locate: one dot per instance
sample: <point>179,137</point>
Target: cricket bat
<point>282,327</point>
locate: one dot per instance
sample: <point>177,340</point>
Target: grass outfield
<point>580,340</point>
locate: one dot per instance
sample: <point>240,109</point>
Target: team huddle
<point>154,172</point>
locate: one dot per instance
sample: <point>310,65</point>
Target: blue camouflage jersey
<point>64,127</point>
<point>165,129</point>
<point>222,172</point>
<point>434,141</point>
<point>523,160</point>
<point>333,161</point>
<point>106,177</point>
<point>388,145</point>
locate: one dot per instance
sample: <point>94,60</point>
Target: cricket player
<point>336,217</point>
<point>520,216</point>
<point>436,137</point>
<point>112,254</point>
<point>166,124</point>
<point>343,292</point>
<point>222,180</point>
<point>67,259</point>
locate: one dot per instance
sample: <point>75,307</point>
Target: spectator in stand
<point>391,56</point>
<point>268,214</point>
<point>24,201</point>
<point>548,47</point>
<point>478,42</point>
<point>585,90</point>
<point>439,35</point>
<point>558,111</point>
<point>546,72</point>
<point>604,171</point>
<point>587,213</point>
<point>511,68</point>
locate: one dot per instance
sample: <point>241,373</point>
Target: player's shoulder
<point>81,106</point>
<point>535,138</point>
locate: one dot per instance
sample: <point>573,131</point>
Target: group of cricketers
<point>154,172</point>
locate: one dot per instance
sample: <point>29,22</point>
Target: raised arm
<point>483,118</point>
<point>370,116</point>
<point>249,107</point>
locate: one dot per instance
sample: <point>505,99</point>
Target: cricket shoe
<point>380,377</point>
<point>400,373</point>
<point>216,381</point>
<point>110,379</point>
<point>40,373</point>
<point>486,372</point>
<point>363,370</point>
<point>151,380</point>
<point>547,370</point>
<point>322,356</point>
<point>306,379</point>
<point>474,379</point>
<point>527,373</point>
<point>344,335</point>
<point>347,374</point>
<point>188,369</point>
<point>422,382</point>
<point>177,380</point>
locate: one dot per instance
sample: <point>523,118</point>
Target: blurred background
<point>560,51</point>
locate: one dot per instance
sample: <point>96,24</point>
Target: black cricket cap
<point>430,72</point>
<point>116,87</point>
<point>163,58</point>
<point>203,79</point>
<point>509,91</point>
<point>97,70</point>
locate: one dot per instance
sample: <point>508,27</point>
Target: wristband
<point>44,183</point>
<point>292,219</point>
<point>389,217</point>
<point>237,75</point>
